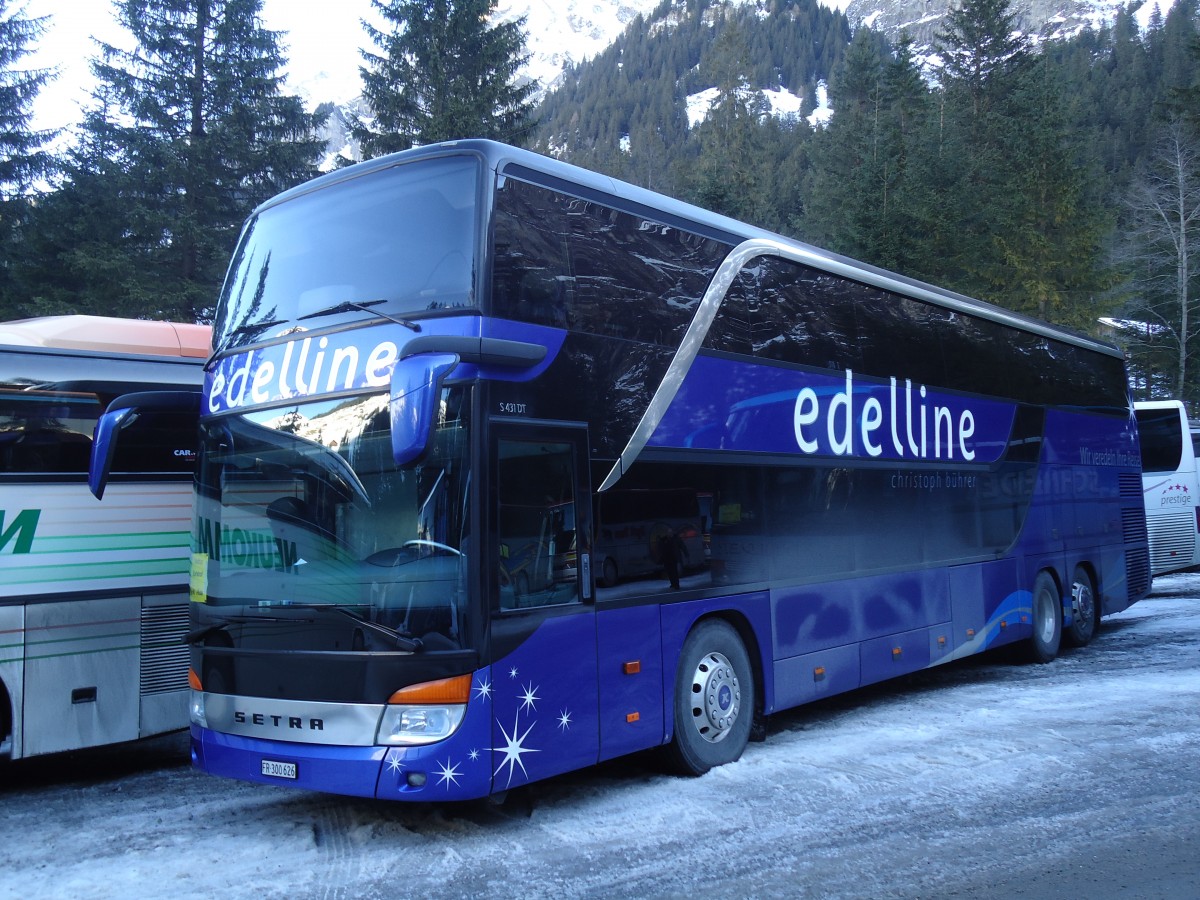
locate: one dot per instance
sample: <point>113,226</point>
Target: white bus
<point>1169,485</point>
<point>93,596</point>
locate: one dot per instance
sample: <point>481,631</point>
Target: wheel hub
<point>1083,602</point>
<point>716,697</point>
<point>1045,612</point>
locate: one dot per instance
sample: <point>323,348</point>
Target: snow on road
<point>981,779</point>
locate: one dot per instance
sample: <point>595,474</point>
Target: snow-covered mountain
<point>565,32</point>
<point>559,33</point>
<point>1046,19</point>
<point>562,33</point>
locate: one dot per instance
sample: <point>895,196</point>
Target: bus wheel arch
<point>715,698</point>
<point>1085,607</point>
<point>1047,618</point>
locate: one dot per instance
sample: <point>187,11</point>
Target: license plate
<point>279,769</point>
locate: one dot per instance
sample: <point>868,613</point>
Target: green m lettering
<point>22,528</point>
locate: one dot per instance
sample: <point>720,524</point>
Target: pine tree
<point>729,176</point>
<point>1049,231</point>
<point>979,46</point>
<point>190,131</point>
<point>443,73</point>
<point>862,194</point>
<point>21,158</point>
<point>844,192</point>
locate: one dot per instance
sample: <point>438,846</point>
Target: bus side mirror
<point>122,413</point>
<point>415,393</point>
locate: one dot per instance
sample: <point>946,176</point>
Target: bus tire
<point>714,699</point>
<point>1083,610</point>
<point>1047,615</point>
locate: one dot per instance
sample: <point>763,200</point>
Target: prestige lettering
<point>888,422</point>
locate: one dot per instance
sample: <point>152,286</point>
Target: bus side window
<point>45,432</point>
<point>536,524</point>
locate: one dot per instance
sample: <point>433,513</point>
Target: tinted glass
<point>49,403</point>
<point>801,315</point>
<point>719,526</point>
<point>304,508</point>
<point>573,263</point>
<point>404,236</point>
<point>536,519</point>
<point>805,315</point>
<point>1161,434</point>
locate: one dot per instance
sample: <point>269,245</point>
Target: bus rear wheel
<point>1043,644</point>
<point>1083,610</point>
<point>714,699</point>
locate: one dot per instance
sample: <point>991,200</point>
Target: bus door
<point>543,622</point>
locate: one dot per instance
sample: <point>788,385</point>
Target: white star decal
<point>512,673</point>
<point>483,689</point>
<point>564,720</point>
<point>394,765</point>
<point>448,774</point>
<point>473,755</point>
<point>529,698</point>
<point>514,749</point>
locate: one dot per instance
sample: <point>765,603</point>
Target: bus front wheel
<point>1047,620</point>
<point>1083,610</point>
<point>714,699</point>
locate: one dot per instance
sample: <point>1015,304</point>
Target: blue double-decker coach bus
<point>433,369</point>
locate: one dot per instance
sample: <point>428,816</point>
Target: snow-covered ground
<point>983,779</point>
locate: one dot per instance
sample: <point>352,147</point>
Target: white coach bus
<point>93,596</point>
<point>1169,485</point>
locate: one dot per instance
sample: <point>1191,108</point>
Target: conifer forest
<point>1058,178</point>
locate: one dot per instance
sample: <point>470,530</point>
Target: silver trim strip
<point>690,346</point>
<point>298,721</point>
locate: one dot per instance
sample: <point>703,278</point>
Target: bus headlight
<point>196,709</point>
<point>418,724</point>
<point>424,713</point>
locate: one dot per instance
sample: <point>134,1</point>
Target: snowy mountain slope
<point>1047,19</point>
<point>566,32</point>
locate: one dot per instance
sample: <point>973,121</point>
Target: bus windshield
<point>1160,431</point>
<point>397,241</point>
<point>304,518</point>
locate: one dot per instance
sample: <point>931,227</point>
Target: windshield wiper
<point>402,641</point>
<point>365,306</point>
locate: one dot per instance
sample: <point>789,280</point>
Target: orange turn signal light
<point>446,690</point>
<point>194,680</point>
